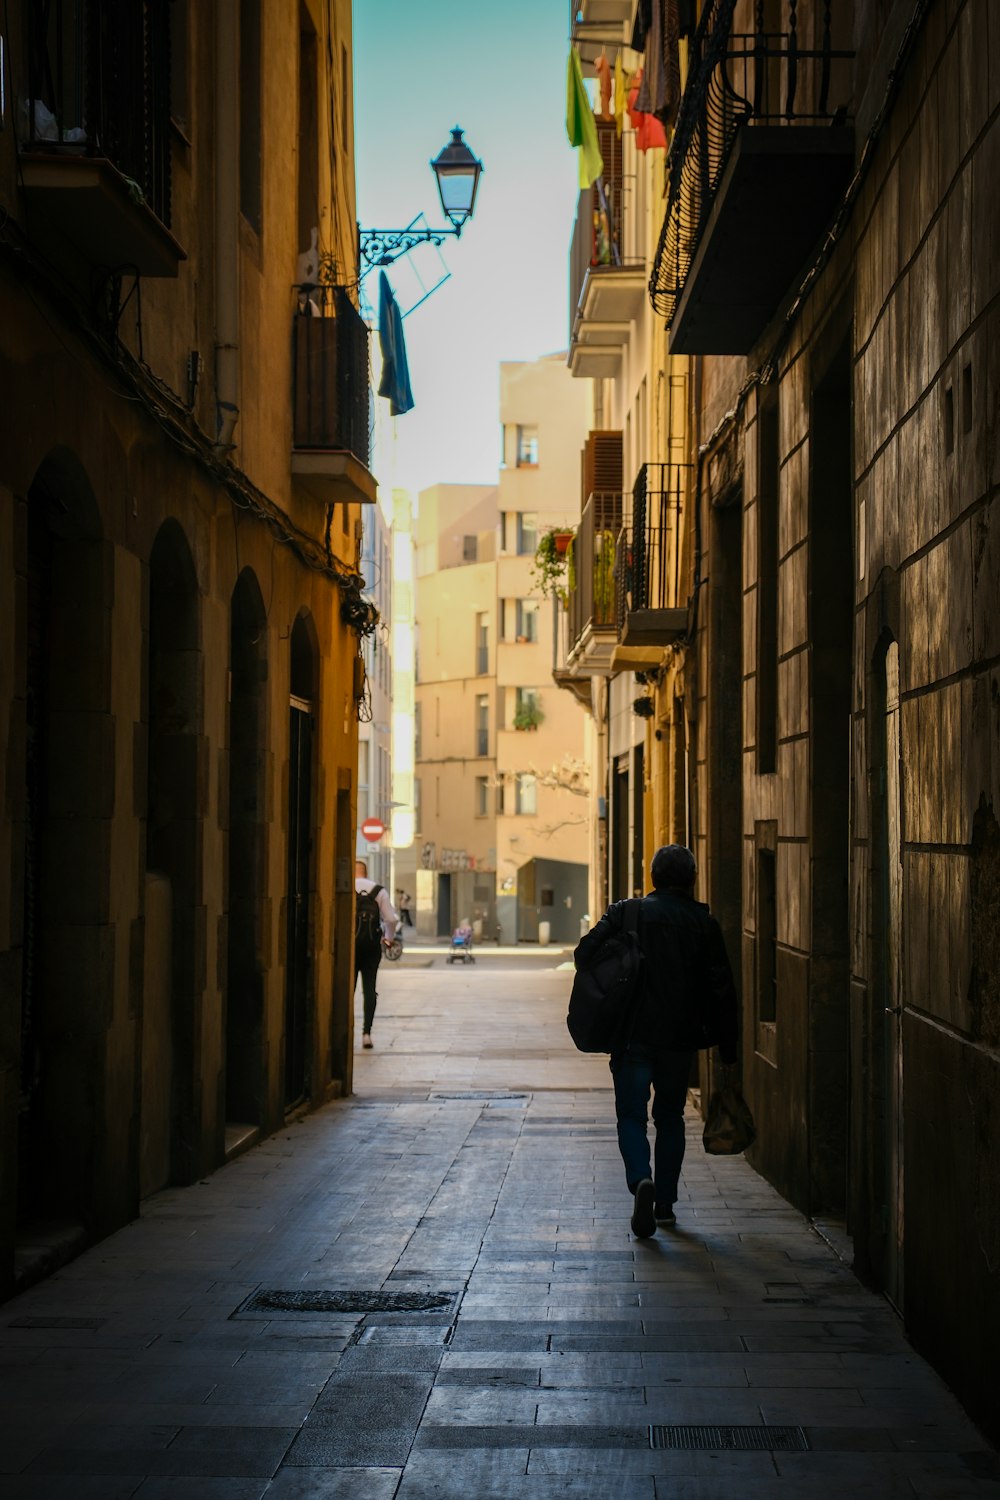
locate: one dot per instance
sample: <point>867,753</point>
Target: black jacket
<point>688,998</point>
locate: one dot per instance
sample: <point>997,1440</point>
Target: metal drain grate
<point>88,1324</point>
<point>348,1302</point>
<point>739,1439</point>
<point>478,1095</point>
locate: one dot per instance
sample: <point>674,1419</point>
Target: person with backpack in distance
<point>375,924</point>
<point>682,1000</point>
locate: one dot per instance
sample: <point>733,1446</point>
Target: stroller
<point>461,945</point>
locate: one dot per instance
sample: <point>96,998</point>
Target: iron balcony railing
<point>648,564</point>
<point>789,77</point>
<point>99,85</point>
<point>330,374</point>
<point>591,593</point>
<point>607,233</point>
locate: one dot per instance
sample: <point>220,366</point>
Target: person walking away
<point>406,913</point>
<point>375,924</point>
<point>686,1002</point>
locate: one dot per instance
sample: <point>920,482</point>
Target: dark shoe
<point>366,1039</point>
<point>665,1214</point>
<point>643,1218</point>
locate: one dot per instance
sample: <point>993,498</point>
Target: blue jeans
<point>636,1070</point>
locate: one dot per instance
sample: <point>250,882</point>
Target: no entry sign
<point>372,829</point>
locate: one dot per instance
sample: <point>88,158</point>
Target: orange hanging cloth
<point>649,131</point>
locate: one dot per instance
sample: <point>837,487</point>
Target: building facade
<point>826,269</point>
<point>180,504</point>
<point>375,794</point>
<point>455,728</point>
<point>543,753</point>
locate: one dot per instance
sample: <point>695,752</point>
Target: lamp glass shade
<point>457,172</point>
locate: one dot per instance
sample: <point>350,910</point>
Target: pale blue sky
<point>498,71</point>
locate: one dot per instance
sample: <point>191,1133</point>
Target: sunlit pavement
<point>538,1350</point>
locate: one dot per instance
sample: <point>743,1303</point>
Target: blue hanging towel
<point>395,382</point>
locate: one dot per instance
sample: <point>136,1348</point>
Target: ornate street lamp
<point>457,171</point>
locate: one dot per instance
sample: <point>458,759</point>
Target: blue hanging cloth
<point>395,382</point>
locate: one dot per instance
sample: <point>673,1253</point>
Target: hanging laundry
<point>660,90</point>
<point>580,126</point>
<point>649,131</point>
<point>395,381</point>
<point>603,70</point>
<point>621,94</point>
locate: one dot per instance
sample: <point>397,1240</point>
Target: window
<point>527,700</point>
<point>416,804</point>
<point>250,111</point>
<point>527,447</point>
<point>527,620</point>
<point>179,101</point>
<point>470,549</point>
<point>417,715</point>
<point>767,925</point>
<point>482,724</point>
<point>767,582</point>
<point>482,645</point>
<point>525,793</point>
<point>527,532</point>
<point>482,796</point>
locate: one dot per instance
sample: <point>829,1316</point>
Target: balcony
<point>94,161</point>
<point>331,421</point>
<point>591,608</point>
<point>597,24</point>
<point>607,267</point>
<point>761,155</point>
<point>651,611</point>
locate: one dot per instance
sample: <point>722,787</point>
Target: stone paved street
<point>475,1163</point>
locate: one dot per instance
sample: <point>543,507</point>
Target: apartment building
<point>455,730</point>
<point>502,761</point>
<point>185,395</point>
<point>543,751</point>
<point>826,274</point>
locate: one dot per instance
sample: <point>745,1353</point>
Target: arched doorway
<point>170,1032</point>
<point>69,793</point>
<point>246,834</point>
<point>303,686</point>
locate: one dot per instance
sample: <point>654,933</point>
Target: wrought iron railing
<point>790,77</point>
<point>330,374</point>
<point>99,85</point>
<point>648,565</point>
<point>607,232</point>
<point>591,592</point>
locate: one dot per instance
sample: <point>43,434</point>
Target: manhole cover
<point>770,1439</point>
<point>312,1301</point>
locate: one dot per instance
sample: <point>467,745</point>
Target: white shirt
<point>390,921</point>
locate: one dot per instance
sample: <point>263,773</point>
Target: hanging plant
<point>553,556</point>
<point>643,707</point>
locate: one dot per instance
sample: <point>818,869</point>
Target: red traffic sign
<point>373,829</point>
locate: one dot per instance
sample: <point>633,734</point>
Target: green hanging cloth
<point>580,126</point>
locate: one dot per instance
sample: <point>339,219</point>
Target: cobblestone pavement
<point>495,1329</point>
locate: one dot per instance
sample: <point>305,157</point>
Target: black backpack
<point>367,921</point>
<point>605,991</point>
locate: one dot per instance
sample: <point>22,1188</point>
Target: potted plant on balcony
<point>527,715</point>
<point>554,560</point>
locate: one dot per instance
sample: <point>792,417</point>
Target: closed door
<point>299,866</point>
<point>893,1017</point>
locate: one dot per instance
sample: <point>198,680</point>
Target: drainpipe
<point>227,225</point>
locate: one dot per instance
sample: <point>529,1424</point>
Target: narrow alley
<point>430,1290</point>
